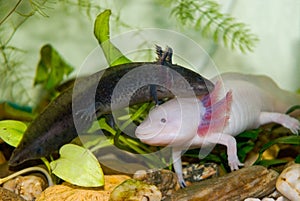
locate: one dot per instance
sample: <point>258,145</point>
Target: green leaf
<point>134,116</point>
<point>243,149</point>
<point>9,110</point>
<point>293,139</point>
<point>12,131</point>
<point>52,69</point>
<point>293,108</point>
<point>212,158</point>
<point>103,125</point>
<point>268,163</point>
<point>251,134</point>
<point>297,159</point>
<point>140,111</point>
<point>78,166</point>
<point>101,31</point>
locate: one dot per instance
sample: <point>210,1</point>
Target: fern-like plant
<point>205,15</point>
<point>13,72</point>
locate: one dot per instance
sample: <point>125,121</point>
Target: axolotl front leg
<point>177,165</point>
<point>212,139</point>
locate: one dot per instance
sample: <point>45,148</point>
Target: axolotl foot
<point>182,184</point>
<point>292,124</point>
<point>87,113</point>
<point>230,142</point>
<point>285,120</point>
<point>234,162</point>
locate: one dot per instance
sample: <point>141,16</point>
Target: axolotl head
<point>173,123</point>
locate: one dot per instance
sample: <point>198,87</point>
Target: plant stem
<point>26,170</point>
<point>10,12</point>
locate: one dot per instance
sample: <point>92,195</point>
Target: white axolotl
<point>243,102</point>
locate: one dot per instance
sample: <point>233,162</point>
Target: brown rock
<point>254,181</point>
<point>28,187</point>
<point>164,180</point>
<point>2,158</point>
<point>70,192</point>
<point>134,190</point>
<point>6,195</point>
<point>197,172</point>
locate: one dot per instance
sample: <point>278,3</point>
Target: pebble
<point>28,187</point>
<point>165,180</point>
<point>199,172</point>
<point>281,198</point>
<point>252,199</point>
<point>288,182</point>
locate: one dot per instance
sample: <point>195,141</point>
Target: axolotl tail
<point>282,99</point>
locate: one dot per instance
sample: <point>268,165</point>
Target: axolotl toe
<point>237,103</point>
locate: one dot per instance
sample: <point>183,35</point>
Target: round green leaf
<point>11,131</point>
<point>78,166</point>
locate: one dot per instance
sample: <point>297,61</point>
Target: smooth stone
<point>281,198</point>
<point>288,182</point>
<point>275,196</point>
<point>253,181</point>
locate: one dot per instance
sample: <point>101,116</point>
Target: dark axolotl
<point>243,102</point>
<point>73,111</point>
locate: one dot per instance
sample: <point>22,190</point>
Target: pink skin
<point>175,123</point>
<point>168,119</point>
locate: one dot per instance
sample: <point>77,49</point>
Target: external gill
<point>216,114</point>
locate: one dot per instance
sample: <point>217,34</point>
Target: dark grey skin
<point>71,113</point>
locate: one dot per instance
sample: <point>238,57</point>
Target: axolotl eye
<point>163,120</point>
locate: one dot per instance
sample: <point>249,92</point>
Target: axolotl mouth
<point>149,133</point>
<point>154,130</point>
<point>152,138</point>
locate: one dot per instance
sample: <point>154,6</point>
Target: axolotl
<point>237,103</point>
<point>74,110</point>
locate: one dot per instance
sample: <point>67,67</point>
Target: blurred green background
<point>68,26</point>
